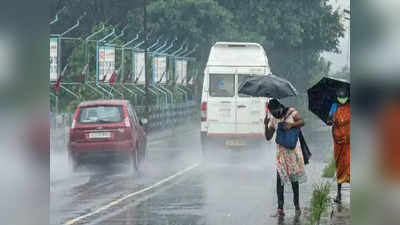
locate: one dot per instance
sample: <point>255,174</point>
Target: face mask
<point>277,113</point>
<point>342,100</point>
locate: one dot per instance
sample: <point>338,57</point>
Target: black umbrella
<point>322,95</point>
<point>269,86</point>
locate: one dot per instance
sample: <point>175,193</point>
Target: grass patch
<point>330,169</point>
<point>319,202</point>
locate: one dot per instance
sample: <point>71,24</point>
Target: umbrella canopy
<point>270,86</point>
<point>322,95</point>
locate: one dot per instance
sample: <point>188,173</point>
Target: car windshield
<point>100,114</point>
<point>222,85</point>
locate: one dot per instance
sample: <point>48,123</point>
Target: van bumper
<point>223,139</point>
<point>235,135</point>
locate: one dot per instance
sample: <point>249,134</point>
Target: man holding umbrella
<point>339,119</point>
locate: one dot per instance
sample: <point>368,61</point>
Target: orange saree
<point>341,143</point>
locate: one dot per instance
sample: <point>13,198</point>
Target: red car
<point>103,129</point>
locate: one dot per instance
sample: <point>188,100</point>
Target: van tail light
<point>266,107</point>
<point>204,111</point>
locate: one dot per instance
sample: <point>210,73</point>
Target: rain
<point>150,122</point>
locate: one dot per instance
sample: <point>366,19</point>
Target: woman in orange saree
<point>340,121</point>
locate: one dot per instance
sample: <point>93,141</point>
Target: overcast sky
<point>340,60</point>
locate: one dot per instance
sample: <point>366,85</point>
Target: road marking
<point>115,202</point>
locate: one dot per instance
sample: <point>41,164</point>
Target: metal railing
<point>160,117</point>
<point>165,116</point>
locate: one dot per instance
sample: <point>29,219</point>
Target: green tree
<point>294,33</point>
<point>198,21</point>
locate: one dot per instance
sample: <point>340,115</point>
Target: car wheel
<point>144,149</point>
<point>136,158</point>
<point>73,161</point>
<point>141,153</point>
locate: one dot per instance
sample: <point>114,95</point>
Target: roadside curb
<point>340,214</point>
<point>334,214</point>
<point>337,214</point>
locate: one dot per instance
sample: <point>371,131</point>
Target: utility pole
<point>147,80</point>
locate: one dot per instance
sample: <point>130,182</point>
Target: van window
<point>242,78</point>
<point>222,85</point>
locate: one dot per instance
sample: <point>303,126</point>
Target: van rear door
<point>250,113</point>
<point>221,113</point>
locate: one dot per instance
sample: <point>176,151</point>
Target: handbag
<point>287,138</point>
<point>304,149</point>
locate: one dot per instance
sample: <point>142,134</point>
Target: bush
<point>319,202</point>
<point>330,169</point>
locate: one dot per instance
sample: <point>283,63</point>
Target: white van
<point>226,116</point>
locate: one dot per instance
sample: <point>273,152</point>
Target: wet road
<point>175,186</point>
